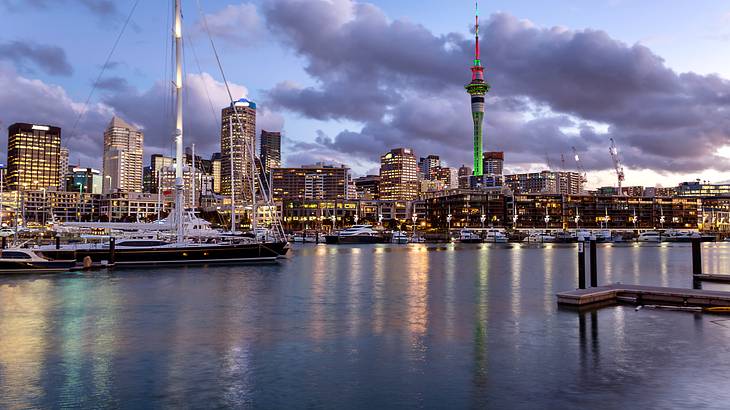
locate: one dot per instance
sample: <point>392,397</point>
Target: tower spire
<point>477,89</point>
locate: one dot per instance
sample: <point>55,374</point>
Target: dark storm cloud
<point>553,88</point>
<point>26,55</point>
<point>113,84</point>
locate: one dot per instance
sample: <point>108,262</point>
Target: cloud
<point>237,24</point>
<point>27,54</point>
<point>552,88</point>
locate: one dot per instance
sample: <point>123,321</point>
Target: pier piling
<point>594,267</point>
<point>58,242</point>
<point>696,263</point>
<point>5,242</point>
<point>112,246</point>
<point>581,265</point>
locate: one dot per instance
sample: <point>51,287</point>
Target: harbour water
<point>374,326</point>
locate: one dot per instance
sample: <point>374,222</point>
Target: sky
<point>346,81</point>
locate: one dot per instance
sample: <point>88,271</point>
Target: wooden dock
<point>643,295</point>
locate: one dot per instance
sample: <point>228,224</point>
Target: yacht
<point>539,237</point>
<point>649,236</point>
<point>184,238</point>
<point>469,236</point>
<point>305,237</point>
<point>399,237</point>
<point>494,235</point>
<point>355,234</point>
<point>22,260</point>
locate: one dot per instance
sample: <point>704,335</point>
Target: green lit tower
<point>477,89</point>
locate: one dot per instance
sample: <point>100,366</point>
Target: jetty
<point>640,294</point>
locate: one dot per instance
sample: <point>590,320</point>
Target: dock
<point>640,294</point>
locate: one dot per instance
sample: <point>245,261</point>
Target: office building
<point>62,167</point>
<point>84,180</point>
<point>428,165</point>
<point>215,165</point>
<point>270,150</point>
<point>368,187</point>
<point>493,162</point>
<point>398,175</point>
<point>319,181</point>
<point>238,140</point>
<point>551,182</point>
<point>122,161</point>
<point>33,156</point>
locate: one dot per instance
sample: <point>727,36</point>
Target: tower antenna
<point>477,89</point>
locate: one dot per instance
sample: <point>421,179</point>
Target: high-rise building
<point>84,180</point>
<point>368,187</point>
<point>238,144</point>
<point>33,156</point>
<point>122,162</point>
<point>464,175</point>
<point>62,168</point>
<point>551,182</point>
<point>427,166</point>
<point>448,176</point>
<point>493,162</point>
<point>398,175</point>
<point>318,181</point>
<point>215,164</point>
<point>270,147</point>
<point>477,89</point>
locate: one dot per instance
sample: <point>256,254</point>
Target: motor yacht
<point>494,235</point>
<point>469,236</point>
<point>649,236</point>
<point>355,234</point>
<point>399,237</point>
<point>539,237</point>
<point>23,260</point>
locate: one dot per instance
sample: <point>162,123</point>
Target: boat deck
<point>643,294</point>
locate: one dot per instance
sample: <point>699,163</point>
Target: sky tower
<point>477,88</point>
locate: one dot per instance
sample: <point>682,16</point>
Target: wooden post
<point>58,242</point>
<point>581,265</point>
<point>594,268</point>
<point>696,263</point>
<point>5,242</point>
<point>112,246</point>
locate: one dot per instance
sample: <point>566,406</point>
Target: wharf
<point>643,294</point>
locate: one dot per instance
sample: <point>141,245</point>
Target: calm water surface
<point>380,326</point>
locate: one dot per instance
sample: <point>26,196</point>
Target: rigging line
<point>103,68</point>
<point>205,86</point>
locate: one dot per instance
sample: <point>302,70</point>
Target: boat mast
<point>233,184</point>
<point>192,181</point>
<point>179,202</point>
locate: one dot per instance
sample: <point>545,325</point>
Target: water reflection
<point>359,327</point>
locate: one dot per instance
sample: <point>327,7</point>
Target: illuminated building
<point>122,162</point>
<point>238,142</point>
<point>33,156</point>
<point>317,181</point>
<point>493,162</point>
<point>62,168</point>
<point>428,165</point>
<point>398,175</point>
<point>549,182</point>
<point>85,180</point>
<point>215,165</point>
<point>270,150</point>
<point>368,187</point>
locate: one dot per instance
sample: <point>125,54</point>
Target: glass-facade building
<point>33,156</point>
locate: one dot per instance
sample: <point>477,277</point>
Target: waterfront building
<point>238,144</point>
<point>449,177</point>
<point>167,181</point>
<point>84,180</point>
<point>398,175</point>
<point>62,167</point>
<point>368,187</point>
<point>625,190</point>
<point>270,150</point>
<point>130,206</point>
<point>33,156</point>
<point>565,182</point>
<point>122,160</point>
<point>317,214</point>
<point>660,191</point>
<point>310,182</point>
<point>477,89</point>
<point>703,189</point>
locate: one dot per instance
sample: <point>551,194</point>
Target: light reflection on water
<point>371,327</point>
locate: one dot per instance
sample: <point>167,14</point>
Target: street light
<point>380,219</point>
<point>355,218</point>
<point>448,222</point>
<point>482,219</point>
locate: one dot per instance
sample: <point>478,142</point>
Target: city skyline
<point>659,118</point>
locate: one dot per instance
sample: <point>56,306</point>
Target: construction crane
<point>617,164</point>
<point>579,165</point>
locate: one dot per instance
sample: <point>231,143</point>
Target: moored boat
<point>469,236</point>
<point>23,260</point>
<point>355,234</point>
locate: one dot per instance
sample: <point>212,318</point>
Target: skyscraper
<point>270,150</point>
<point>428,165</point>
<point>215,164</point>
<point>62,168</point>
<point>398,175</point>
<point>477,89</point>
<point>493,162</point>
<point>238,143</point>
<point>33,156</point>
<point>122,162</point>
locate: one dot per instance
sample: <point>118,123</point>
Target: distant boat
<point>399,237</point>
<point>355,234</point>
<point>495,235</point>
<point>649,236</point>
<point>539,237</point>
<point>469,236</point>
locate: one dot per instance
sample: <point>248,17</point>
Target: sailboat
<point>180,250</point>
